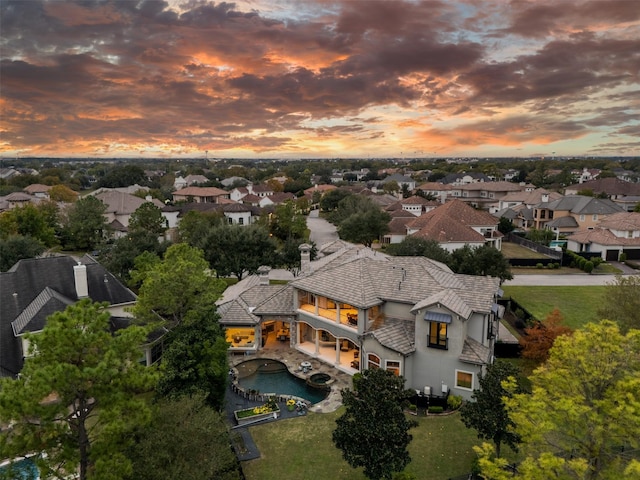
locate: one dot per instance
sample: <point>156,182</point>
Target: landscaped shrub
<point>454,402</point>
<point>588,267</point>
<point>539,265</point>
<point>436,409</point>
<point>556,265</point>
<point>519,313</point>
<point>623,257</point>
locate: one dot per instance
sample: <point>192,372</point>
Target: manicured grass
<point>578,305</point>
<point>301,448</point>
<point>513,250</point>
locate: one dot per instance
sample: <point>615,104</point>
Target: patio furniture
<point>344,346</point>
<point>352,318</point>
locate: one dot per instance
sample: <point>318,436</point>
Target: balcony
<point>347,317</point>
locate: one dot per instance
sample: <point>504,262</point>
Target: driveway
<point>321,231</point>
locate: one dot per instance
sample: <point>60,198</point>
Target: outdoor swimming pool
<point>22,470</point>
<point>271,376</point>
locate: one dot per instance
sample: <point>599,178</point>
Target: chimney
<point>80,276</point>
<point>305,258</point>
<point>545,198</point>
<point>263,273</point>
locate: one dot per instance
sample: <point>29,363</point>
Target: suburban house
<point>414,205</point>
<point>398,226</point>
<point>17,199</point>
<point>359,309</point>
<point>438,190</point>
<point>482,194</point>
<point>518,207</point>
<point>200,195</point>
<point>464,178</point>
<point>403,181</point>
<point>37,190</point>
<point>35,288</point>
<point>189,180</point>
<point>234,213</point>
<point>626,194</point>
<point>618,234</point>
<point>456,224</point>
<point>121,205</point>
<point>572,213</point>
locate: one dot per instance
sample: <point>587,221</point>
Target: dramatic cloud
<point>324,78</point>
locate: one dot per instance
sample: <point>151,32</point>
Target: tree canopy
<point>85,225</point>
<point>186,440</point>
<point>621,303</point>
<point>539,338</point>
<point>486,412</point>
<point>178,286</point>
<point>484,260</point>
<point>76,398</point>
<point>17,247</point>
<point>373,432</point>
<point>194,360</point>
<point>413,246</point>
<point>581,419</point>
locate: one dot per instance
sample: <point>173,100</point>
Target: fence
<point>535,246</point>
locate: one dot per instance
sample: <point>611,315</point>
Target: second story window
<point>438,335</point>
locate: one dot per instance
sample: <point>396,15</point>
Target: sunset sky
<point>298,79</point>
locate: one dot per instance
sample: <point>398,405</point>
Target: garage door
<point>612,255</point>
<point>632,254</point>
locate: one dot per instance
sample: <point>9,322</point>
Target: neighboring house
<point>456,224</point>
<point>520,216</point>
<point>464,178</point>
<point>189,180</point>
<point>626,194</point>
<point>415,205</point>
<point>400,219</point>
<point>35,288</point>
<point>234,213</point>
<point>359,309</point>
<point>228,182</point>
<point>37,190</point>
<point>586,175</point>
<point>16,199</point>
<point>619,233</point>
<point>401,180</point>
<point>200,195</point>
<point>626,175</point>
<point>572,213</point>
<point>276,199</point>
<point>7,173</point>
<point>261,190</point>
<point>481,194</point>
<point>528,198</point>
<point>121,205</point>
<point>319,189</point>
<point>438,190</point>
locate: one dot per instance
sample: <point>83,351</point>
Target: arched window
<point>373,361</point>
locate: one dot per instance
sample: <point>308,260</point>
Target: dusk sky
<point>298,79</point>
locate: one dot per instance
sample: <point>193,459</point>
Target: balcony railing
<point>436,342</point>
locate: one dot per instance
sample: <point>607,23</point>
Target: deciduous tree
<point>17,247</point>
<point>186,440</point>
<point>194,360</point>
<point>413,246</point>
<point>484,260</point>
<point>581,419</point>
<point>76,398</point>
<point>236,249</point>
<point>179,285</point>
<point>621,302</point>
<point>540,338</point>
<point>85,225</point>
<point>147,218</point>
<point>486,412</point>
<point>373,432</point>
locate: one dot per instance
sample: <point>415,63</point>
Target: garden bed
<point>252,415</point>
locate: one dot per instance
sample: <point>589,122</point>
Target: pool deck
<point>292,358</point>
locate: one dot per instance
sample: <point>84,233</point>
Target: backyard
<point>301,448</point>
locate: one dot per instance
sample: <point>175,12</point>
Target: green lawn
<point>301,448</point>
<point>578,305</point>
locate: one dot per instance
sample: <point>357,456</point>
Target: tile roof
<point>609,185</point>
<point>367,281</point>
<point>492,186</point>
<point>33,318</point>
<point>603,236</point>
<point>121,203</point>
<point>581,205</point>
<point>453,222</point>
<point>201,192</point>
<point>624,221</point>
<point>249,299</point>
<point>397,334</point>
<point>474,352</point>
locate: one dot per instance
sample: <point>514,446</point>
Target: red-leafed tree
<point>539,338</point>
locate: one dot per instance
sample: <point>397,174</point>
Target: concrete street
<point>321,231</point>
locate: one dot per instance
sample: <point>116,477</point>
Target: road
<point>321,231</point>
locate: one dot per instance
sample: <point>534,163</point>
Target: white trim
<point>386,365</point>
<point>455,380</point>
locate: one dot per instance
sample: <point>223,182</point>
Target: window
<point>464,380</point>
<point>595,217</point>
<point>241,221</point>
<point>230,220</point>
<point>437,335</point>
<point>373,361</point>
<point>582,218</point>
<point>394,367</point>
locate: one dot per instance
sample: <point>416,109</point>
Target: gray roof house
<point>35,288</point>
<point>357,308</point>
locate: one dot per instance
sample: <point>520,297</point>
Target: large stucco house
<point>357,308</point>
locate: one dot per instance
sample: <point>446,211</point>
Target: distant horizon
<point>298,79</point>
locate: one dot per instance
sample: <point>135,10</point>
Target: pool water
<point>22,470</point>
<point>271,376</point>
